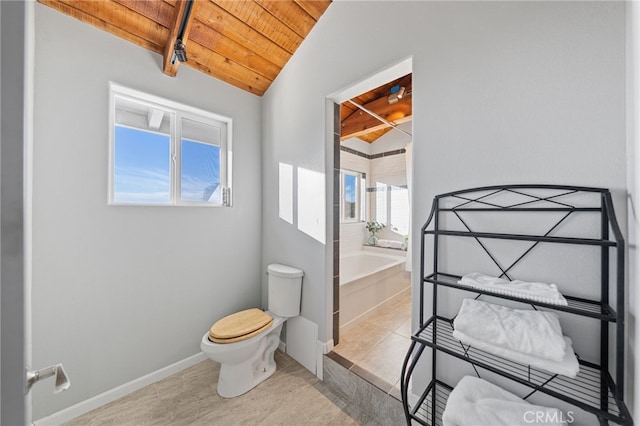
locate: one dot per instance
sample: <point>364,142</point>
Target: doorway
<point>372,278</point>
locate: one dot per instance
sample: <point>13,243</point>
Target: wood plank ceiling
<point>242,42</point>
<point>245,43</point>
<point>358,123</point>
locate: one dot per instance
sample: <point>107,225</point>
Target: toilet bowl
<point>248,358</point>
<point>246,363</point>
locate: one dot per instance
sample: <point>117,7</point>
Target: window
<point>392,207</point>
<point>399,209</point>
<point>166,153</point>
<point>381,203</point>
<point>352,196</point>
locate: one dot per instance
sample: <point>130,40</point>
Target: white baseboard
<point>104,398</point>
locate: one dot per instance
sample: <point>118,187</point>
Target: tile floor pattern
<point>379,342</point>
<point>292,396</point>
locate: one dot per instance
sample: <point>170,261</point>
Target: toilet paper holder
<point>62,381</point>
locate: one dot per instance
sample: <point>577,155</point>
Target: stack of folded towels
<point>525,336</point>
<point>538,292</point>
<point>390,244</point>
<point>476,402</point>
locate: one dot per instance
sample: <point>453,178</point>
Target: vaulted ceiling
<point>242,42</point>
<point>376,112</point>
<point>245,43</point>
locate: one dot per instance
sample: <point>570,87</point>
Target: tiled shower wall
<point>336,222</point>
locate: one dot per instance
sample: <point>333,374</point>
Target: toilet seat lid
<point>240,326</point>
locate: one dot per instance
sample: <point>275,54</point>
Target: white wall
<point>121,291</point>
<point>393,139</point>
<point>503,92</point>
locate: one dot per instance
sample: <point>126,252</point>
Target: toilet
<point>244,343</point>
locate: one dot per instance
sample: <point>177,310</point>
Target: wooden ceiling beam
<point>168,67</point>
<point>360,123</point>
<point>171,69</point>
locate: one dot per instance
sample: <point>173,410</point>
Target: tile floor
<point>292,396</point>
<point>379,342</point>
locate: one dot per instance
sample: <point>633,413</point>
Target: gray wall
<point>121,291</point>
<point>503,92</point>
<point>508,92</point>
<point>12,294</point>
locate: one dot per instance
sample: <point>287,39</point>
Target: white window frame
<point>177,111</point>
<point>358,197</point>
<point>388,211</point>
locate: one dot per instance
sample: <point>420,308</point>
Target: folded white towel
<point>535,333</point>
<point>390,244</point>
<point>395,244</point>
<point>382,243</point>
<point>569,365</point>
<point>476,402</point>
<point>538,292</point>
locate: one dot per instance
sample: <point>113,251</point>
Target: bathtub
<point>368,279</point>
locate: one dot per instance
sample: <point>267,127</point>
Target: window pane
<point>166,153</point>
<point>141,166</point>
<point>349,201</point>
<point>399,210</point>
<point>381,202</point>
<point>200,172</point>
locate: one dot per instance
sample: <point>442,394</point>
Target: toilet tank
<point>285,289</point>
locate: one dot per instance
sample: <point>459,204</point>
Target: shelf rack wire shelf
<point>593,389</point>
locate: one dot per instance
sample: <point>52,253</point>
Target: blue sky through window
<point>200,172</point>
<point>142,168</point>
<point>349,203</point>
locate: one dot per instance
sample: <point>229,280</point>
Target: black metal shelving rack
<point>593,389</point>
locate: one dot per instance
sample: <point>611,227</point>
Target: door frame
<point>17,40</point>
<point>333,101</point>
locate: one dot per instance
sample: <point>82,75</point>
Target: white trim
<point>104,398</point>
<point>163,103</point>
<point>321,349</point>
<point>325,347</point>
<point>29,102</point>
<point>177,112</point>
<point>358,196</point>
<point>376,79</point>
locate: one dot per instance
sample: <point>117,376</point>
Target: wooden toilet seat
<point>240,326</point>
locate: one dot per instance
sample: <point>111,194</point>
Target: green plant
<point>373,226</point>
